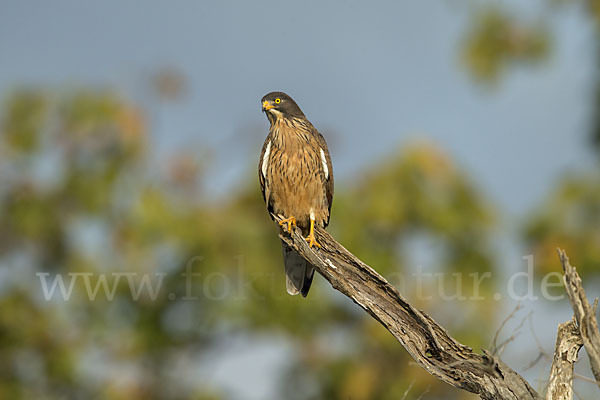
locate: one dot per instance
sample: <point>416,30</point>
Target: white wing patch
<point>265,160</point>
<point>324,162</point>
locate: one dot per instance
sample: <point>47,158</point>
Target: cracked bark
<point>568,343</point>
<point>585,315</point>
<point>428,343</point>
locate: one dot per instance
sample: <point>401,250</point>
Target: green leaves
<point>105,213</point>
<point>24,120</point>
<point>569,219</point>
<point>496,40</point>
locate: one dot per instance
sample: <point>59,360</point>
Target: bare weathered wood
<point>568,343</point>
<point>585,315</point>
<point>425,340</point>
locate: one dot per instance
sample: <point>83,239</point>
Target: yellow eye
<point>277,100</point>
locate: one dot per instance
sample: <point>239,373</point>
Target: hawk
<point>296,179</point>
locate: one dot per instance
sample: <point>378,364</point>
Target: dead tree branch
<point>585,315</point>
<point>568,343</point>
<point>425,340</point>
<point>494,344</point>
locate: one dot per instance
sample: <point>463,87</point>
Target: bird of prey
<point>296,179</point>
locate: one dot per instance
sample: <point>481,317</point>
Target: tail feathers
<point>309,272</point>
<point>298,272</point>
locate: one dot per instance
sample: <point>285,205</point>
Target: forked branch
<point>433,348</point>
<point>425,340</point>
<point>584,313</point>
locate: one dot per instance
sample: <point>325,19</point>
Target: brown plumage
<point>296,179</point>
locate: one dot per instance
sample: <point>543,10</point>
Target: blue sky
<point>372,77</point>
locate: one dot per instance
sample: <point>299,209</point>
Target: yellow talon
<point>289,221</point>
<point>311,235</point>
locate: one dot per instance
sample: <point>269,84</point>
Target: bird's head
<point>279,105</point>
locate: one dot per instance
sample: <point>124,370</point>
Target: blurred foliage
<point>83,193</point>
<point>590,7</point>
<point>570,219</point>
<point>418,192</point>
<point>169,84</point>
<point>23,121</point>
<point>497,40</point>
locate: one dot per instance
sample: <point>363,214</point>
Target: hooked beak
<point>267,105</point>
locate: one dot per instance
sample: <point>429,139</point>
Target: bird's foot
<point>291,221</point>
<point>312,241</point>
